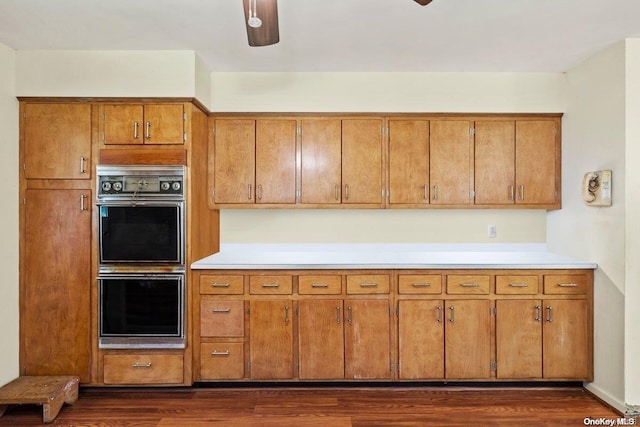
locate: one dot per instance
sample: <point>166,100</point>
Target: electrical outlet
<point>491,231</point>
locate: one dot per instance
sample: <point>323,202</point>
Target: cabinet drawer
<point>320,284</point>
<point>468,284</point>
<point>270,285</point>
<point>143,369</point>
<point>516,284</point>
<point>221,318</point>
<point>222,361</point>
<point>420,284</point>
<point>368,284</point>
<point>227,285</point>
<point>566,284</point>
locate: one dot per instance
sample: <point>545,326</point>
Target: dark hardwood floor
<point>324,406</point>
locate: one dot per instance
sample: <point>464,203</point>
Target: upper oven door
<point>141,232</point>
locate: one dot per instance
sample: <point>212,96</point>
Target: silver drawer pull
<point>368,285</point>
<point>519,285</point>
<point>319,285</point>
<point>221,310</point>
<point>220,353</point>
<point>568,285</point>
<point>219,285</point>
<point>469,285</point>
<point>141,365</point>
<point>421,285</point>
<point>271,285</point>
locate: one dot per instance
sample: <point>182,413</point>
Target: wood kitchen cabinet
<point>56,140</point>
<point>321,164</point>
<point>55,305</point>
<point>254,161</point>
<point>420,339</point>
<point>135,124</point>
<point>271,339</point>
<point>537,162</point>
<point>321,339</point>
<point>408,162</point>
<point>467,339</point>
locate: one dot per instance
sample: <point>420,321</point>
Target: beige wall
<point>9,215</point>
<point>385,92</point>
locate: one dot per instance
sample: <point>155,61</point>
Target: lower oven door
<point>141,310</point>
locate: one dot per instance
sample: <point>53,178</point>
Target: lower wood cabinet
<point>271,339</point>
<point>143,368</point>
<point>321,339</point>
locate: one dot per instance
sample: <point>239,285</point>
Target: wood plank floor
<point>323,406</point>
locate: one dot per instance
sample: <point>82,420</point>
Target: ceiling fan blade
<point>423,2</point>
<point>267,12</point>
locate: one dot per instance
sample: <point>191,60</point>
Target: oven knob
<point>117,186</point>
<point>106,186</point>
<point>165,186</point>
<point>175,186</point>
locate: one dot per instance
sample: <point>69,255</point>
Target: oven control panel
<point>146,183</point>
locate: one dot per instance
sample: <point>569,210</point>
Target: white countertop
<point>386,256</point>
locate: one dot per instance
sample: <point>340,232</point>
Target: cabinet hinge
<point>24,166</point>
<point>494,311</point>
<point>494,365</point>
<point>24,201</point>
<point>184,117</point>
<point>472,131</point>
<point>24,114</point>
<point>248,310</point>
<point>213,130</point>
<point>184,137</point>
<point>249,368</point>
<point>298,130</point>
<point>472,195</point>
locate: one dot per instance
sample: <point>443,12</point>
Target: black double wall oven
<point>141,246</point>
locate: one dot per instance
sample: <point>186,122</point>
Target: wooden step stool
<point>50,392</point>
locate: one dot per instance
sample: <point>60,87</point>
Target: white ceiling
<point>336,35</point>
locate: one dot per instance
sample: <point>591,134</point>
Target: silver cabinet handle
<point>568,285</point>
<point>521,192</point>
<point>346,191</point>
<point>135,130</point>
<point>549,314</point>
<point>368,285</point>
<point>221,310</point>
<point>426,192</point>
<point>249,191</point>
<point>337,191</point>
<point>220,353</point>
<point>439,314</point>
<point>338,314</point>
<point>83,160</point>
<point>83,206</point>
<point>421,285</point>
<point>349,314</point>
<point>220,285</point>
<point>319,285</point>
<point>147,130</point>
<point>435,192</point>
<point>511,192</point>
<point>286,314</point>
<point>141,365</point>
<point>259,191</point>
<point>519,285</point>
<point>451,313</point>
<point>469,285</point>
<point>538,317</point>
<point>271,285</point>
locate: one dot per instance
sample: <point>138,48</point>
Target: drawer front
<point>566,284</point>
<point>221,318</point>
<point>368,284</point>
<point>222,361</point>
<point>420,284</point>
<point>320,285</point>
<point>270,285</point>
<point>221,285</point>
<point>143,369</point>
<point>516,285</point>
<point>468,284</point>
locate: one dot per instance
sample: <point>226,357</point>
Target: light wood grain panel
<point>451,162</point>
<point>321,165</point>
<point>222,361</point>
<point>536,166</point>
<point>408,162</point>
<point>123,124</point>
<point>275,161</point>
<point>362,161</point>
<point>494,162</point>
<point>163,124</point>
<point>321,339</point>
<point>519,339</point>
<point>221,318</point>
<point>421,339</point>
<point>234,161</point>
<point>145,368</point>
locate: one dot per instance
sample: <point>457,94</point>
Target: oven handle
<point>136,202</point>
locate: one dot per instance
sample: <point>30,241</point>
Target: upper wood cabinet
<point>321,164</point>
<point>408,162</point>
<point>56,140</point>
<point>495,162</point>
<point>362,161</point>
<point>254,161</point>
<point>126,124</point>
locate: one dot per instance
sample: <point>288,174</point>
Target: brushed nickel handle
<point>511,192</point>
<point>271,285</point>
<point>141,365</point>
<point>259,191</point>
<point>249,191</point>
<point>135,130</point>
<point>538,317</point>
<point>439,314</point>
<point>521,192</point>
<point>147,130</point>
<point>368,285</point>
<point>349,314</point>
<point>426,192</point>
<point>337,192</point>
<point>83,206</point>
<point>319,285</point>
<point>338,314</point>
<point>451,309</point>
<point>549,314</point>
<point>221,310</point>
<point>519,285</point>
<point>346,191</point>
<point>568,285</point>
<point>435,192</point>
<point>220,353</point>
<point>469,285</point>
<point>286,314</point>
<point>83,160</point>
<point>220,285</point>
<point>421,285</point>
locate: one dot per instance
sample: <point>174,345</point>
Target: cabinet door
<point>271,339</point>
<point>494,162</point>
<point>566,340</point>
<point>123,124</point>
<point>408,162</point>
<point>57,141</point>
<point>55,295</point>
<point>234,161</point>
<point>421,339</point>
<point>321,167</point>
<point>320,339</point>
<point>536,162</point>
<point>164,124</point>
<point>519,339</point>
<point>276,161</point>
<point>367,337</point>
<point>362,161</point>
<point>451,161</point>
<point>468,339</point>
